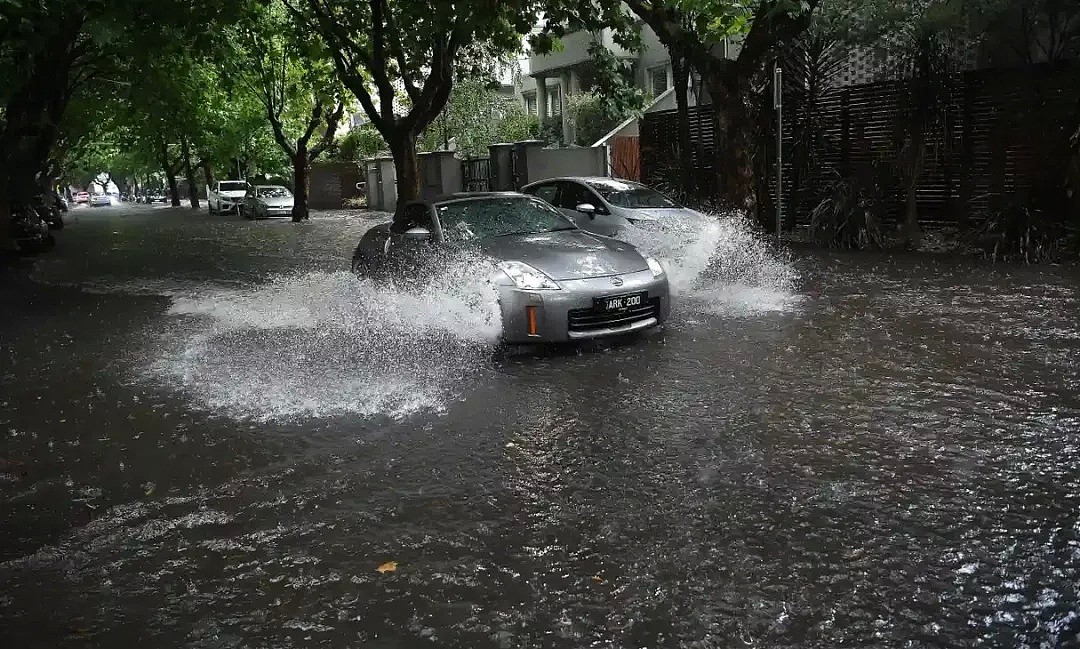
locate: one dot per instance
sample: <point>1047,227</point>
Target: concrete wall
<point>578,161</point>
<point>440,174</point>
<point>575,49</point>
<point>653,54</point>
<point>331,183</point>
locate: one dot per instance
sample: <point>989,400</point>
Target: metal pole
<point>778,103</point>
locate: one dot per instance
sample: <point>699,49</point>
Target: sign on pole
<point>778,104</point>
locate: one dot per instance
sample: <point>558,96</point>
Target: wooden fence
<point>1002,136</point>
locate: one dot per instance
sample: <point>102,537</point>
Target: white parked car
<point>225,195</point>
<point>607,205</point>
<point>100,200</point>
<point>263,201</point>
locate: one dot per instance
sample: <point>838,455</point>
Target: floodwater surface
<point>214,436</point>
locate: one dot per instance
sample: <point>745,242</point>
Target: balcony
<point>574,51</point>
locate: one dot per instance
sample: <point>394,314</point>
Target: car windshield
<point>272,192</point>
<point>234,186</point>
<point>631,195</point>
<point>497,217</point>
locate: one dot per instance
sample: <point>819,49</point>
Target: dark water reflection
<point>890,460</point>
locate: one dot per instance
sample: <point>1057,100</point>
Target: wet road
<point>222,437</point>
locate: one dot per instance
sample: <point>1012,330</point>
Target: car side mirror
<point>418,234</point>
<point>587,208</point>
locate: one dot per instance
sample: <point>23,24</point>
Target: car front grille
<point>585,320</point>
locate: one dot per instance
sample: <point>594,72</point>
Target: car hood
<point>283,201</point>
<point>233,194</point>
<point>567,254</point>
<point>656,213</point>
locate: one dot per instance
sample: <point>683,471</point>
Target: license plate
<point>620,302</point>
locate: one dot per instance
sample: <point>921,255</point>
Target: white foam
<point>327,344</point>
<point>718,265</point>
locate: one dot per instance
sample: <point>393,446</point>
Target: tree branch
<point>345,64</point>
<point>399,55</point>
<point>377,64</point>
<point>332,122</point>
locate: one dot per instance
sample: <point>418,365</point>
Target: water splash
<point>717,264</point>
<point>324,344</point>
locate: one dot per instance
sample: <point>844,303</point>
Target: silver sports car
<point>607,205</point>
<point>556,282</point>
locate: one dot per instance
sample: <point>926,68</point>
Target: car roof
<point>583,179</point>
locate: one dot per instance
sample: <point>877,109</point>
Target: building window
<point>530,103</point>
<point>554,102</point>
<point>659,79</point>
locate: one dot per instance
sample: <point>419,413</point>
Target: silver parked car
<point>607,205</point>
<point>264,201</point>
<point>556,282</point>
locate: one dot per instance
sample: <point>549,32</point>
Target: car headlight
<point>654,266</point>
<point>528,278</point>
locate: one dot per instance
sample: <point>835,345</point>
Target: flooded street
<point>221,438</point>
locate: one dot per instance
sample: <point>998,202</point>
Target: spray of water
<point>325,344</point>
<point>717,264</point>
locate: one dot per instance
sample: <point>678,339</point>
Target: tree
<point>473,118</point>
<point>381,46</point>
<point>694,32</point>
<point>53,51</point>
<point>294,79</point>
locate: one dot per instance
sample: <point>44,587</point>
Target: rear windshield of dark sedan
<point>497,217</point>
<point>630,195</point>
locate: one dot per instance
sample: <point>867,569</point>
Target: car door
<point>573,194</point>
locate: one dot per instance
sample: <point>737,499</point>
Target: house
<point>548,79</point>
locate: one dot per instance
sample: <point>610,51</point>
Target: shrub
<point>591,117</point>
<point>849,216</point>
<point>1021,232</point>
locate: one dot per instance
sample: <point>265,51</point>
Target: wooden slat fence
<point>1000,133</point>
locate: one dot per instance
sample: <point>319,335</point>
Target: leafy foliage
<point>475,117</point>
<point>850,216</point>
<point>592,117</point>
<point>361,142</point>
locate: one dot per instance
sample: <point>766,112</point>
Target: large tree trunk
<point>680,73</point>
<point>174,187</point>
<point>189,171</point>
<point>406,168</point>
<point>208,172</point>
<point>300,186</point>
<point>7,244</point>
<point>733,158</point>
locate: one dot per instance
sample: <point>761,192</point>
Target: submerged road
<point>212,436</point>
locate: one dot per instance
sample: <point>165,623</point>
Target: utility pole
<point>778,104</point>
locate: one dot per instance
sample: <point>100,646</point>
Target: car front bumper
<point>274,210</point>
<point>568,314</point>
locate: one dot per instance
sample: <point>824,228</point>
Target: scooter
<point>51,209</point>
<point>30,232</point>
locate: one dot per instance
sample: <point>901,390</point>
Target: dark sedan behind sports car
<point>556,282</point>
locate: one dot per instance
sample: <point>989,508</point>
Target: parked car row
<point>249,201</point>
<point>563,272</point>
